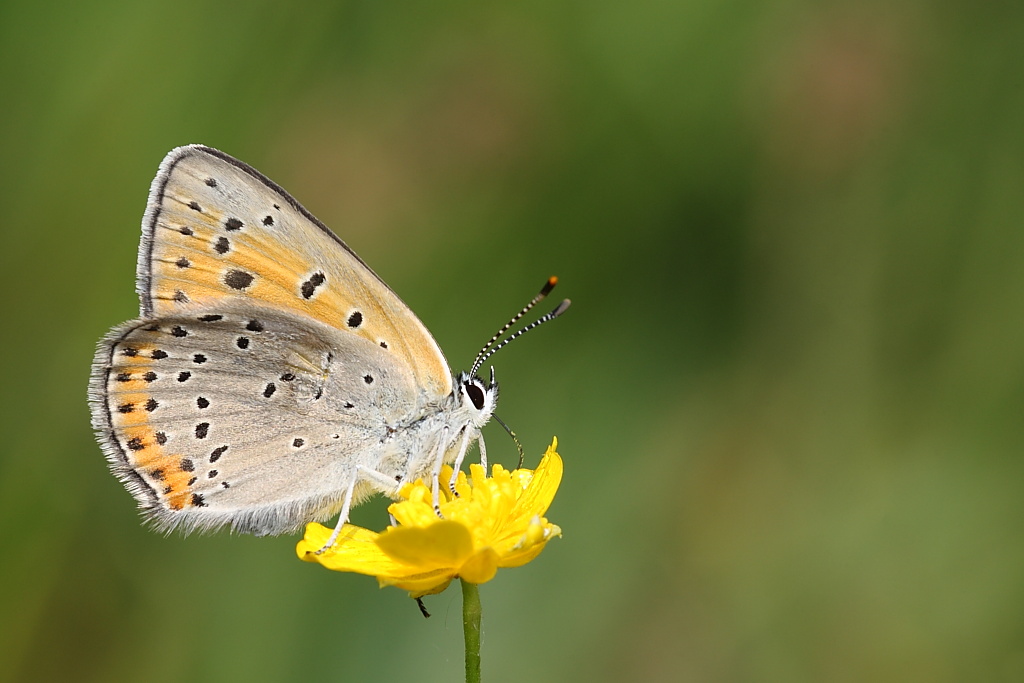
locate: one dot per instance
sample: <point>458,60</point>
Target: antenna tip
<point>549,285</point>
<point>562,307</point>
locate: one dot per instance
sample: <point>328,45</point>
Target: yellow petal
<point>521,557</point>
<point>317,534</point>
<point>481,567</point>
<point>442,544</point>
<point>355,551</point>
<point>414,512</point>
<point>542,488</point>
<point>420,584</point>
<point>529,550</point>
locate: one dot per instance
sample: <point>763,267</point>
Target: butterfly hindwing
<point>217,230</point>
<point>243,415</point>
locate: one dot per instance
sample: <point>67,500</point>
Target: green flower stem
<point>471,627</point>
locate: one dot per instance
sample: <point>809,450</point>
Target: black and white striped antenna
<point>492,346</point>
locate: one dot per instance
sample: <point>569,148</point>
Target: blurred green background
<point>788,394</point>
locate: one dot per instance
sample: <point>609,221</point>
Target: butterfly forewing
<point>179,397</point>
<point>217,230</point>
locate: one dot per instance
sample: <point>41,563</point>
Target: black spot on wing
<point>310,286</point>
<point>238,279</point>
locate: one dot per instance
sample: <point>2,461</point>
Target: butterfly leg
<point>342,516</point>
<point>435,472</point>
<point>463,448</point>
<point>483,451</point>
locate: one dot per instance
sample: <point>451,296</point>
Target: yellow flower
<point>494,522</point>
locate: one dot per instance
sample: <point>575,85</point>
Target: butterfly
<point>272,378</point>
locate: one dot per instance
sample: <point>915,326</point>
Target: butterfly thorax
<point>440,433</point>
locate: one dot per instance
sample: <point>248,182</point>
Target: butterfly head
<point>477,397</point>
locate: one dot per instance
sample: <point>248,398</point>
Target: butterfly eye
<point>476,395</point>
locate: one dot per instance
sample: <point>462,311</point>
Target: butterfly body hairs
<point>272,377</point>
